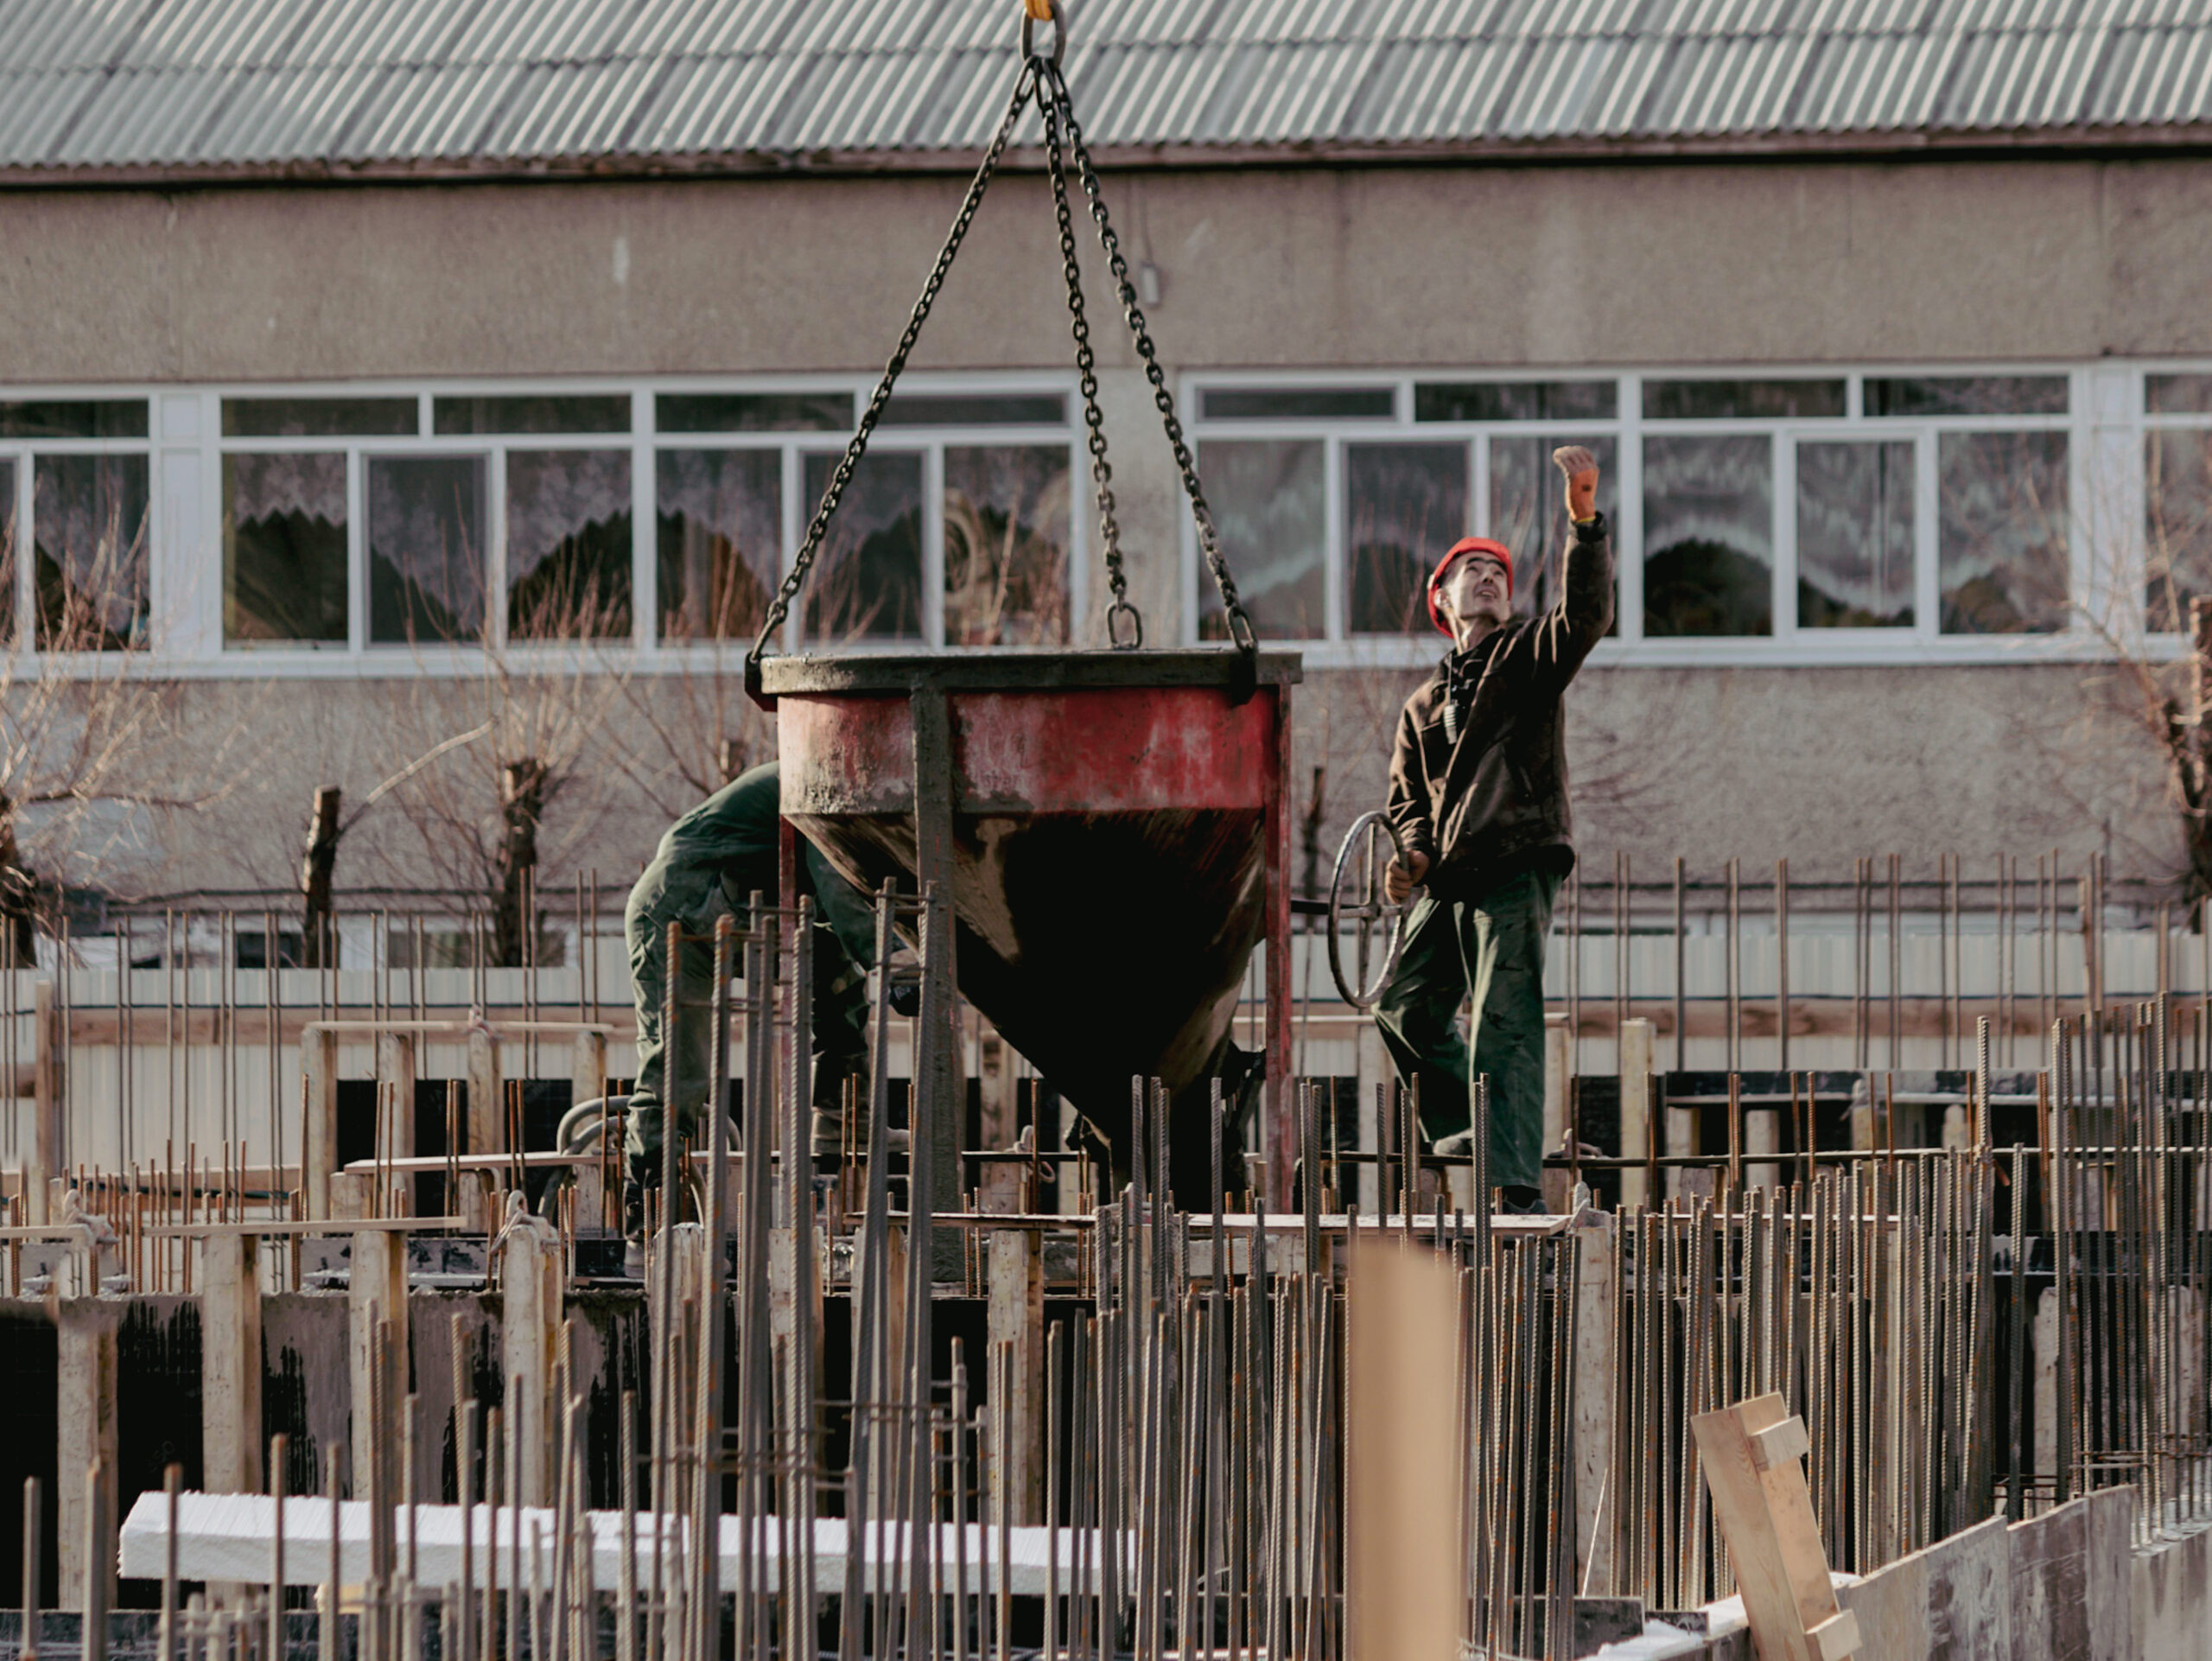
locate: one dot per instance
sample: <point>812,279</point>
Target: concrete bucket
<point>1119,836</point>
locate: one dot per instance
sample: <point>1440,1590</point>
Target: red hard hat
<point>1497,550</point>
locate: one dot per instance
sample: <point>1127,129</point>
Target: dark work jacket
<point>1494,802</point>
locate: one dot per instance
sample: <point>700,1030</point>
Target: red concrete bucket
<point>1119,839</point>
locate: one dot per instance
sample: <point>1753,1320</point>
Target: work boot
<point>1516,1199</point>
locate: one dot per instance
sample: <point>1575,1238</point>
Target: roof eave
<point>1332,153</point>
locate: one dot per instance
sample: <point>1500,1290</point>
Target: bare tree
<point>88,756</point>
<point>489,752</point>
<point>2140,686</point>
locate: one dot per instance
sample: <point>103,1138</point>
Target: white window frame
<point>2134,388</point>
<point>185,447</point>
<point>2104,424</point>
<point>22,453</point>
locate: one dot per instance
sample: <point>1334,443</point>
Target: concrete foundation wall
<point>2069,1585</point>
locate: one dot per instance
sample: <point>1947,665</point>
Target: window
<point>1854,515</point>
<point>284,549</point>
<point>89,520</point>
<point>2003,535</point>
<point>1854,534</point>
<point>73,418</point>
<point>754,412</point>
<point>1005,545</point>
<point>721,529</point>
<point>567,544</point>
<point>1709,534</point>
<point>1403,504</point>
<point>426,538</point>
<point>320,417</point>
<point>533,414</point>
<point>2178,499</point>
<point>1298,403</point>
<point>1740,400</point>
<point>1269,511</point>
<point>975,409</point>
<point>1516,400</point>
<point>867,580</point>
<point>1940,395</point>
<point>1763,515</point>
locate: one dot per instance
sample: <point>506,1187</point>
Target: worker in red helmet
<point>1478,795</point>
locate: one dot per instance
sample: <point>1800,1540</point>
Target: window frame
<point>187,449</point>
<point>2131,580</point>
<point>21,454</point>
<point>2104,426</point>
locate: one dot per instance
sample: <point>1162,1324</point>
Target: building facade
<point>352,378</point>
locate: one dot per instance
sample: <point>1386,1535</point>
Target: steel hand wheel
<point>1356,897</point>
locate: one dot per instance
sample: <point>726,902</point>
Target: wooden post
<point>588,1068</point>
<point>395,1085</point>
<point>1595,1370</point>
<point>1762,1134</point>
<point>530,1332</point>
<point>1404,1567</point>
<point>1753,1457</point>
<point>1681,1138</point>
<point>488,1098</point>
<point>994,1066</point>
<point>229,1364</point>
<point>377,1292</point>
<point>1016,1318</point>
<point>586,1083</point>
<point>1637,1051</point>
<point>49,1091</point>
<point>85,1393</point>
<point>318,1148</point>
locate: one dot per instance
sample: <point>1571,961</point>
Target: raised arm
<point>1564,635</point>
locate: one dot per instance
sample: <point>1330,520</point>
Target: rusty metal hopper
<point>1118,836</point>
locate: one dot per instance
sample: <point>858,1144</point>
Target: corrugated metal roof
<point>199,86</point>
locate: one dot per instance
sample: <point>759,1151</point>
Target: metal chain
<point>779,609</point>
<point>1102,471</point>
<point>1239,624</point>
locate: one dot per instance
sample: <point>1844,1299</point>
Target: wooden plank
<point>49,1092</point>
<point>1834,1637</point>
<point>319,1136</point>
<point>1015,1317</point>
<point>1765,1515</point>
<point>1403,1567</point>
<point>1779,1442</point>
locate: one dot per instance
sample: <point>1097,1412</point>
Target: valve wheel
<point>1357,898</point>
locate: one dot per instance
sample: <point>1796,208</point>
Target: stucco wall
<point>1708,263</point>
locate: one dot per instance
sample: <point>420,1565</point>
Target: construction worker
<point>711,861</point>
<point>1478,798</point>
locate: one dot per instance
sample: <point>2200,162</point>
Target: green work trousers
<point>1490,947</point>
<point>693,896</point>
